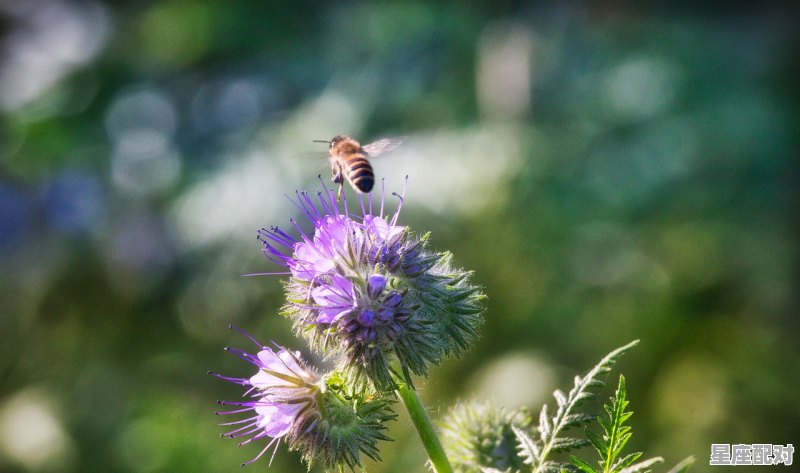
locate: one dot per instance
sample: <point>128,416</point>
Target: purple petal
<point>380,229</point>
<point>334,300</point>
<point>280,362</point>
<point>329,317</point>
<point>310,261</point>
<point>277,419</point>
<point>332,232</point>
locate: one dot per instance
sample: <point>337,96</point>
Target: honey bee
<point>349,161</point>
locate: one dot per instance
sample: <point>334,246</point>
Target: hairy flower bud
<point>479,435</point>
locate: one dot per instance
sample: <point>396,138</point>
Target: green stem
<point>424,428</point>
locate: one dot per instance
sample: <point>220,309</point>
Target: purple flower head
<point>367,291</point>
<point>287,399</point>
<point>280,396</point>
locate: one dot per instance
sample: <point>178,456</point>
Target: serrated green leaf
<point>605,424</point>
<point>544,423</point>
<point>621,388</point>
<point>583,396</point>
<point>627,460</point>
<point>568,443</point>
<point>578,418</point>
<point>642,466</point>
<point>526,446</point>
<point>551,467</point>
<point>620,443</point>
<point>596,441</point>
<point>582,465</point>
<point>597,383</point>
<point>561,399</point>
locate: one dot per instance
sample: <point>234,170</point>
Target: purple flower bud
<point>366,318</point>
<point>393,263</point>
<point>375,285</point>
<point>367,336</point>
<point>385,314</point>
<point>393,299</point>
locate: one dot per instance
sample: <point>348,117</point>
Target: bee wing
<point>379,147</point>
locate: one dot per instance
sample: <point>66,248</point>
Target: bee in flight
<point>349,161</point>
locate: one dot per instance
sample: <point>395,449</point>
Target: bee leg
<point>338,178</point>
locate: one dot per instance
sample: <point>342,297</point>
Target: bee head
<point>343,144</point>
<point>338,139</point>
<point>335,141</point>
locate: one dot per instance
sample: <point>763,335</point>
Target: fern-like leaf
<point>564,444</point>
<point>526,446</point>
<point>544,422</point>
<point>597,441</point>
<point>578,418</point>
<point>582,465</point>
<point>615,436</point>
<point>626,461</point>
<point>551,427</point>
<point>553,467</point>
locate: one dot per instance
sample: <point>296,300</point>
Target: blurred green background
<point>611,171</point>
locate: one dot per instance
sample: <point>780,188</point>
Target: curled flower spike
<point>315,414</point>
<point>367,290</point>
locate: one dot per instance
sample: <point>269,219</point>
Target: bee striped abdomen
<point>360,173</point>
